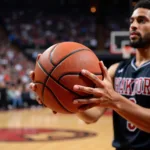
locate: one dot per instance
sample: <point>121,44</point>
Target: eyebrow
<point>141,16</point>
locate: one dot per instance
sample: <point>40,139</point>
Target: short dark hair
<point>142,4</point>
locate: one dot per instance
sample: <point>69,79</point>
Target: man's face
<point>140,28</point>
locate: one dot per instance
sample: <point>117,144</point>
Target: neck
<point>142,56</point>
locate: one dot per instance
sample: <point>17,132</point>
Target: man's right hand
<point>33,87</point>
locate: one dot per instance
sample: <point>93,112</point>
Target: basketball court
<point>39,129</point>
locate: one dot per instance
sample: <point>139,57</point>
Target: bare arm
<point>93,114</point>
<point>107,97</point>
<point>134,113</point>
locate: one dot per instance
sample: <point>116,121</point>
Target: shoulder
<point>112,69</point>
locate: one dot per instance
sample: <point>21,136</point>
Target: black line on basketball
<point>53,95</point>
<point>75,51</point>
<point>48,75</point>
<point>74,73</point>
<point>51,52</point>
<point>43,69</point>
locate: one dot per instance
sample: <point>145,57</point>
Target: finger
<point>87,101</point>
<point>103,68</point>
<point>39,100</point>
<point>33,86</point>
<point>88,90</point>
<point>92,77</point>
<point>84,89</point>
<point>32,75</point>
<point>38,57</point>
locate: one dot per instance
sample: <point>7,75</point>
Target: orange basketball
<point>58,69</point>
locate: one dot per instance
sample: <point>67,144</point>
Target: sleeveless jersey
<point>134,84</point>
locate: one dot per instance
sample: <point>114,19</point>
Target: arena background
<point>27,28</point>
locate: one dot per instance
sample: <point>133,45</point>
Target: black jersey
<point>134,84</point>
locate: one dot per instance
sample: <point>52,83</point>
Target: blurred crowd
<point>39,30</point>
<point>14,78</point>
<point>33,29</point>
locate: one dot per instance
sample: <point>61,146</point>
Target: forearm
<point>134,113</point>
<point>91,115</point>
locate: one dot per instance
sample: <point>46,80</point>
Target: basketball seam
<point>55,66</point>
<point>74,73</point>
<point>50,54</point>
<point>49,75</point>
<point>44,85</point>
<point>75,51</point>
<point>54,96</point>
<point>42,68</point>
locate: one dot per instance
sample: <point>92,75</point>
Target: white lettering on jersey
<point>130,86</point>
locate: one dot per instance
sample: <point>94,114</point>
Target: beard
<point>141,42</point>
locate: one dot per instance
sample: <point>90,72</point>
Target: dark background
<point>110,15</point>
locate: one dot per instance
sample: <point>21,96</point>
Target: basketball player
<point>125,89</point>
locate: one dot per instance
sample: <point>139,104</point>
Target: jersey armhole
<point>121,64</point>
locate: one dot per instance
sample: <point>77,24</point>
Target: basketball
<point>58,69</point>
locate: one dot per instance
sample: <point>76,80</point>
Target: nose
<point>133,28</point>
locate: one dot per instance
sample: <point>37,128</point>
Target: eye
<point>141,20</point>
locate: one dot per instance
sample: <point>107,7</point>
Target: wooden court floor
<point>39,129</point>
